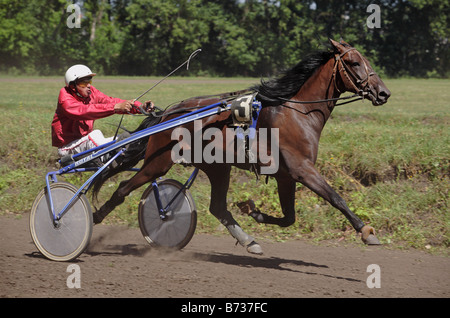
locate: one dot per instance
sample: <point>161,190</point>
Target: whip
<point>193,54</point>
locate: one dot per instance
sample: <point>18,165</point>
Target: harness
<point>245,112</point>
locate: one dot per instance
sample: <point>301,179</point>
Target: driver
<point>79,105</point>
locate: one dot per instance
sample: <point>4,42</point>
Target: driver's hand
<point>124,106</point>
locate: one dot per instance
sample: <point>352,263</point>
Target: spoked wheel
<point>181,216</point>
<point>67,239</point>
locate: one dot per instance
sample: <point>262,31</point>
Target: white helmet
<point>77,71</point>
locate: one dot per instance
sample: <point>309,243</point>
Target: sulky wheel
<point>181,217</point>
<point>67,239</point>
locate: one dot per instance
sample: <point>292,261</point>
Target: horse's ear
<point>336,45</point>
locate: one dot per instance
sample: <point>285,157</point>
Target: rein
<point>223,97</point>
<point>360,95</point>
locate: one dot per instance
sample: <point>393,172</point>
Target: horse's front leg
<point>286,193</point>
<point>310,177</point>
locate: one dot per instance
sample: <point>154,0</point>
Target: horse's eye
<point>355,64</point>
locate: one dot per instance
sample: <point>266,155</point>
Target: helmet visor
<point>85,81</point>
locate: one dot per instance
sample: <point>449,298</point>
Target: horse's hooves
<point>254,248</point>
<point>97,218</point>
<point>246,207</point>
<point>372,240</point>
<point>368,236</point>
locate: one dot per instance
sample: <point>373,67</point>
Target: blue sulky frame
<point>99,151</point>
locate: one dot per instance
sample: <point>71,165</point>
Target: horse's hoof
<point>246,207</point>
<point>254,248</point>
<point>372,240</point>
<point>97,218</point>
<point>368,236</point>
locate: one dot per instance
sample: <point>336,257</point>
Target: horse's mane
<point>289,81</point>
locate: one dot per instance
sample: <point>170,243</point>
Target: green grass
<point>390,163</point>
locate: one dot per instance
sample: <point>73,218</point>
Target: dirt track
<point>119,263</point>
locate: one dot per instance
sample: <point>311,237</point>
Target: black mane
<point>291,80</point>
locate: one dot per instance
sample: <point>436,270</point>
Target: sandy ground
<point>120,263</point>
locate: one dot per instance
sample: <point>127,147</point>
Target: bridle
<point>344,71</point>
<point>358,84</point>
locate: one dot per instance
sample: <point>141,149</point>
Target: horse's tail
<point>135,152</point>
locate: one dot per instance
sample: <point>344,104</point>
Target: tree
<point>238,37</point>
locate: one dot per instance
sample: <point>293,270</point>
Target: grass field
<point>391,163</point>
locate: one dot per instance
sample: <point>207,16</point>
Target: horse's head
<point>357,75</point>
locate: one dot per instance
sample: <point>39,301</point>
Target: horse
<point>297,103</point>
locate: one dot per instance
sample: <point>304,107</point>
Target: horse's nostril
<point>385,94</point>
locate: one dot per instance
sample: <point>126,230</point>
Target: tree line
<point>237,37</point>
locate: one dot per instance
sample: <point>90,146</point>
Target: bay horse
<point>298,103</point>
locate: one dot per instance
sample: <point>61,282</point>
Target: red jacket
<point>74,116</point>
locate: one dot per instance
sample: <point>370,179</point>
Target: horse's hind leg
<point>219,179</point>
<point>150,170</point>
